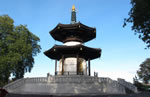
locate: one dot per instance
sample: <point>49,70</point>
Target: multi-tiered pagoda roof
<point>73,32</point>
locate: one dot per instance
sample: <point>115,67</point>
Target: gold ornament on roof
<point>73,8</point>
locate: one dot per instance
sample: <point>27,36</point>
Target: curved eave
<point>57,51</point>
<point>61,31</point>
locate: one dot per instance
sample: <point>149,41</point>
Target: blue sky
<point>122,51</point>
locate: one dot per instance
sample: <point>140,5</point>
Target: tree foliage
<point>138,84</point>
<point>144,71</point>
<point>139,16</point>
<point>18,46</point>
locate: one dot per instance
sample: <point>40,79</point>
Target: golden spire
<point>73,15</point>
<point>73,8</point>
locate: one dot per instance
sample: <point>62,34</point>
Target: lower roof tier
<point>58,51</point>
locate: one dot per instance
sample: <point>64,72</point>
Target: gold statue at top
<point>73,8</point>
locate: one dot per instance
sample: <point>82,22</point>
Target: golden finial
<point>73,8</point>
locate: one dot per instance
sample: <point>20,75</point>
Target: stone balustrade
<point>22,81</point>
<point>128,85</point>
<point>15,84</point>
<point>111,84</point>
<point>36,80</point>
<point>71,79</point>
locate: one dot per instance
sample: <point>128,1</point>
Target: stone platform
<point>142,94</point>
<point>70,85</point>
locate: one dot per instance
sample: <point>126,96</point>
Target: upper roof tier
<point>73,32</point>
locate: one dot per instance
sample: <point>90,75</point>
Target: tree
<point>139,16</point>
<point>18,46</point>
<point>144,71</point>
<point>139,85</point>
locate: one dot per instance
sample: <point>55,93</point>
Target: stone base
<point>143,94</point>
<point>70,85</point>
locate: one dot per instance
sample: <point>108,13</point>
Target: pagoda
<point>74,58</point>
<point>73,76</point>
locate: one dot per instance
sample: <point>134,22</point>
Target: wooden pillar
<point>86,68</point>
<point>77,65</point>
<point>55,67</point>
<point>89,67</point>
<point>62,65</point>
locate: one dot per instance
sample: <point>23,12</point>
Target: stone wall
<point>75,84</point>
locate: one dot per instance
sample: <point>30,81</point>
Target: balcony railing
<point>69,73</point>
